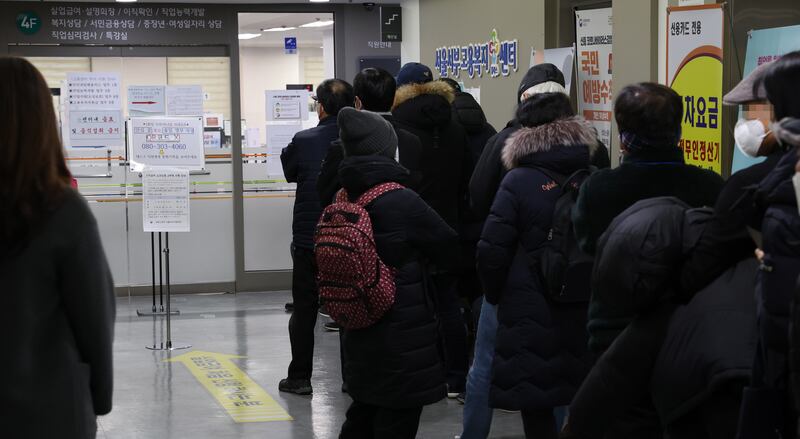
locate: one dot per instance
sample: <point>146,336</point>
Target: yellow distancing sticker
<point>237,393</point>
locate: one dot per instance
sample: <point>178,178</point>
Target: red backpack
<point>354,284</point>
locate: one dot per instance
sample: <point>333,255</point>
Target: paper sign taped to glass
<point>167,142</point>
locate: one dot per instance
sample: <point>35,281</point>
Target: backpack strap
<point>341,196</point>
<point>371,195</point>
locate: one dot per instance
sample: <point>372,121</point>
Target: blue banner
<point>764,46</point>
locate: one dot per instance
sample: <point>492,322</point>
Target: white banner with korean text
<point>593,42</point>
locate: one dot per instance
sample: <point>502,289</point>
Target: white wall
<point>410,47</point>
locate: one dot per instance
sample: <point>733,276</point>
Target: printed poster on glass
<point>594,40</point>
<point>694,70</point>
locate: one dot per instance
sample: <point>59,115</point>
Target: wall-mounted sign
<point>593,35</point>
<point>290,45</point>
<point>391,23</point>
<point>84,23</point>
<point>494,57</point>
<point>166,141</point>
<point>563,58</point>
<point>694,70</point>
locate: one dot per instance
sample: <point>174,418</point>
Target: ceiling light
<point>127,1</point>
<point>278,29</point>
<point>319,1</point>
<point>248,36</point>
<point>318,23</point>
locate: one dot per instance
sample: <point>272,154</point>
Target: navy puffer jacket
<point>302,161</point>
<point>540,354</point>
<point>781,241</point>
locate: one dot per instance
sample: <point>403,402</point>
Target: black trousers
<point>454,331</point>
<point>304,318</point>
<point>366,421</point>
<point>539,424</point>
<point>716,418</point>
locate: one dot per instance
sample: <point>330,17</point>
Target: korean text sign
<point>166,141</point>
<point>694,70</point>
<point>94,111</point>
<point>493,58</point>
<point>594,65</point>
<point>165,193</point>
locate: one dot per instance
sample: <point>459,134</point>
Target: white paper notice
<point>279,137</point>
<point>146,100</point>
<point>287,105</point>
<point>253,138</point>
<point>166,141</point>
<point>166,200</point>
<point>184,100</point>
<point>93,111</point>
<point>93,91</point>
<point>475,92</point>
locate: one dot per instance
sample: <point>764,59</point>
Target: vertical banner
<point>763,46</point>
<point>593,39</point>
<point>694,70</point>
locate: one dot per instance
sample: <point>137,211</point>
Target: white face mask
<point>748,135</point>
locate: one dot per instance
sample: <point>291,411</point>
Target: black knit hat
<point>540,74</point>
<point>366,133</point>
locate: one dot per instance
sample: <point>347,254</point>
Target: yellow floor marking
<point>237,393</point>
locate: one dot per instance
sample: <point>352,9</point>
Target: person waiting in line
<point>423,107</point>
<point>767,409</point>
<point>489,171</point>
<point>394,367</point>
<point>374,90</point>
<point>468,112</point>
<point>59,306</point>
<point>689,350</point>
<point>540,354</point>
<point>302,160</point>
<point>649,118</point>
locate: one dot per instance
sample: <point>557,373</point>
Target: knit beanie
<point>541,74</point>
<point>366,133</point>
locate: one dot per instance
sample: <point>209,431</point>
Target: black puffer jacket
<point>425,111</point>
<point>302,161</point>
<point>781,241</point>
<point>540,352</point>
<point>397,362</point>
<point>470,115</point>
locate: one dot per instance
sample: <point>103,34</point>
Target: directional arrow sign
<point>237,393</point>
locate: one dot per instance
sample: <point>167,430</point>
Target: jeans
<point>477,413</point>
<point>304,318</point>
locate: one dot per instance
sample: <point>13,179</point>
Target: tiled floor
<point>157,399</point>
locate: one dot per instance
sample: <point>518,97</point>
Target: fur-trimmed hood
<point>571,132</point>
<point>411,91</point>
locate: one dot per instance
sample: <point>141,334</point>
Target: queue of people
<point>651,300</point>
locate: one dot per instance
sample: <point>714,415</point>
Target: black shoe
<point>289,307</point>
<point>323,311</point>
<point>462,398</point>
<point>332,327</point>
<point>453,391</point>
<point>296,386</point>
